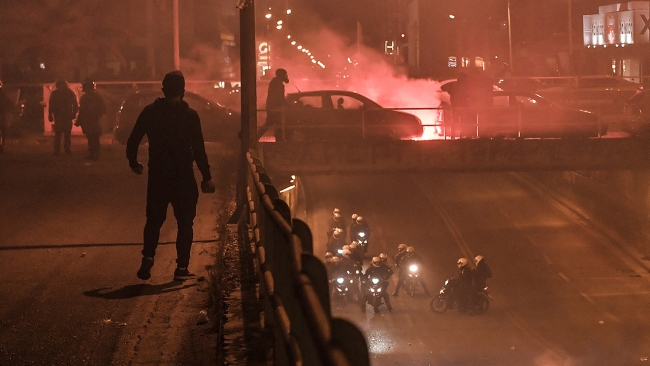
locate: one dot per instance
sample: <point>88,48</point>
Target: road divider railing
<point>293,284</point>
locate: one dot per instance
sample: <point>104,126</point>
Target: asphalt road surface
<point>70,241</point>
<point>562,293</point>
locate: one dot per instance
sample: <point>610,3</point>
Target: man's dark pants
<point>94,146</point>
<point>62,128</point>
<point>183,195</point>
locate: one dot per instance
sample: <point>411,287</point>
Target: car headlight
<point>340,280</point>
<point>413,268</point>
<point>375,280</point>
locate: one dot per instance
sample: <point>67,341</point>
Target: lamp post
<point>177,54</point>
<point>512,66</point>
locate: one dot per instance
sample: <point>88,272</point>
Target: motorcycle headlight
<point>362,235</point>
<point>351,281</point>
<point>375,280</point>
<point>413,268</point>
<point>379,289</point>
<point>372,290</point>
<point>446,282</point>
<point>340,251</point>
<point>442,292</point>
<point>340,280</point>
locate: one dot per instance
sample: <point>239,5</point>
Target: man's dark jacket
<point>175,141</point>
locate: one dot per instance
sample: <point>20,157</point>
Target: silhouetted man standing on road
<point>175,142</point>
<point>63,108</point>
<point>91,109</point>
<point>275,101</point>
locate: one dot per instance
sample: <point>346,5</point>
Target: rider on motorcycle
<point>357,253</point>
<point>336,268</point>
<point>336,242</point>
<point>480,274</point>
<point>404,263</point>
<point>465,284</point>
<point>401,252</point>
<point>383,272</point>
<point>334,223</point>
<point>360,225</point>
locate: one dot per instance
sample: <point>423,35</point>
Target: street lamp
<point>510,39</point>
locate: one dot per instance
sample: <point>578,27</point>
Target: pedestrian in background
<point>275,100</point>
<point>63,109</point>
<point>175,143</point>
<point>5,108</point>
<point>91,109</point>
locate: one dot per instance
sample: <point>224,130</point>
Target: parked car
<point>338,114</point>
<point>605,95</point>
<point>522,84</point>
<point>525,115</point>
<point>219,124</point>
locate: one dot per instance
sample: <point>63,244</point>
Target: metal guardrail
<point>294,285</point>
<point>453,123</point>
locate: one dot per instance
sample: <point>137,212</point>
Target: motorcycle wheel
<point>438,305</point>
<point>481,305</point>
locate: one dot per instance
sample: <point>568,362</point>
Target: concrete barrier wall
<point>456,155</point>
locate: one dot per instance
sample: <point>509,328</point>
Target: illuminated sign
<point>451,61</point>
<point>630,25</point>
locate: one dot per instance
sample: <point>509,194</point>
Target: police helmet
<point>462,262</point>
<point>354,245</point>
<point>477,259</point>
<point>401,247</point>
<point>346,247</point>
<point>335,260</point>
<point>359,220</point>
<point>337,215</point>
<point>328,255</point>
<point>383,257</point>
<point>410,250</point>
<point>354,217</point>
<point>336,234</point>
<point>376,261</point>
<point>336,210</point>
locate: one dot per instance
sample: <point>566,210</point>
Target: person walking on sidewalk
<point>175,142</point>
<point>62,109</point>
<point>91,110</point>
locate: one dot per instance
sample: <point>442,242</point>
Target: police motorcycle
<point>362,239</point>
<point>373,294</point>
<point>412,280</point>
<point>342,288</point>
<point>449,298</point>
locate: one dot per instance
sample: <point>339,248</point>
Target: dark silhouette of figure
<point>63,109</point>
<point>5,107</point>
<point>339,103</point>
<point>175,143</point>
<point>459,98</point>
<point>275,100</point>
<point>405,262</point>
<point>91,109</point>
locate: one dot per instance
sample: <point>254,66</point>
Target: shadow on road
<point>141,289</point>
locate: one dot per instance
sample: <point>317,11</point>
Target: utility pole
<point>570,66</point>
<point>177,53</point>
<point>248,73</point>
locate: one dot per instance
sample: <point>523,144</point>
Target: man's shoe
<point>144,273</point>
<point>182,274</point>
